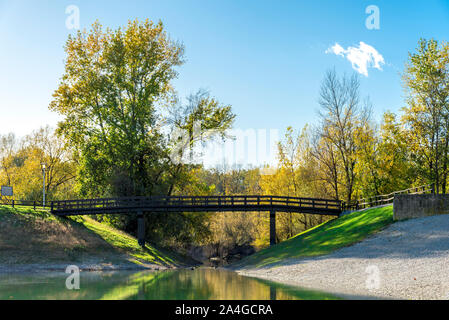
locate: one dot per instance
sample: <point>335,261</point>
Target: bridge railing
<point>195,201</point>
<point>386,198</point>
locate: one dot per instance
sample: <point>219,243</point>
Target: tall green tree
<point>393,164</point>
<point>116,97</point>
<point>113,84</point>
<point>200,119</point>
<point>426,116</point>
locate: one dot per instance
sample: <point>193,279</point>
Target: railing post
<point>272,227</point>
<point>433,188</point>
<point>13,203</point>
<point>141,229</point>
<point>34,205</point>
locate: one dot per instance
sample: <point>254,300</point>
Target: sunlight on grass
<point>25,212</point>
<point>127,243</point>
<point>324,238</point>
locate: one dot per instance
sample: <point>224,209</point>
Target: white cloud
<point>362,57</point>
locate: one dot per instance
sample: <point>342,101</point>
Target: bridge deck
<point>196,203</point>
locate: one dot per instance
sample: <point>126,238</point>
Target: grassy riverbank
<point>29,237</point>
<point>322,239</point>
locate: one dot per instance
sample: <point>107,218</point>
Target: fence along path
<point>387,198</point>
<point>21,203</point>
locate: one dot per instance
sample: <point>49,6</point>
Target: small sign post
<point>6,191</point>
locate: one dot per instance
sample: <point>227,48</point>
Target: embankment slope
<point>35,240</point>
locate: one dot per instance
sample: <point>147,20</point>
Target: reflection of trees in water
<point>52,286</point>
<point>165,285</point>
<point>177,285</point>
<point>134,286</point>
<point>203,284</point>
<point>93,285</point>
<point>229,285</point>
<point>222,285</point>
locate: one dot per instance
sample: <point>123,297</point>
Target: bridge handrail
<point>387,198</point>
<point>199,197</point>
<point>191,201</point>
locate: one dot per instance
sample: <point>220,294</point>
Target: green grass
<point>36,236</point>
<point>127,243</point>
<point>25,212</point>
<point>323,239</point>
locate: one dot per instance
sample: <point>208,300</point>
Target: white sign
<point>7,191</point>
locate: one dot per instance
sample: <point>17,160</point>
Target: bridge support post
<point>273,295</point>
<point>272,227</point>
<point>141,229</point>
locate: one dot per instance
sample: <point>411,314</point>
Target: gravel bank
<point>411,257</point>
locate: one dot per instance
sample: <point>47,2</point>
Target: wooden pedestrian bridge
<point>147,205</point>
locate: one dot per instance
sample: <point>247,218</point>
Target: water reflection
<point>200,284</point>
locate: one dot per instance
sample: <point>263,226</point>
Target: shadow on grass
<point>128,244</point>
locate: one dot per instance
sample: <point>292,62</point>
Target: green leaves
<point>426,118</point>
<point>112,82</point>
<point>112,97</point>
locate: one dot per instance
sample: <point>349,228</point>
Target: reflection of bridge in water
<point>141,205</point>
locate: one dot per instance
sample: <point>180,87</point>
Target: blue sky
<point>265,58</point>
